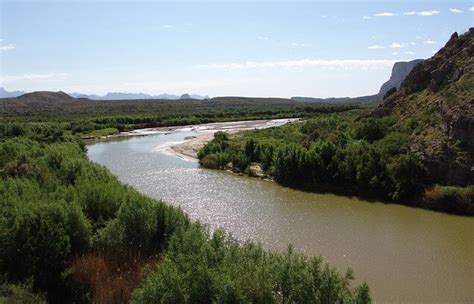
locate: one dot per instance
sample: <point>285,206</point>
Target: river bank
<point>187,148</point>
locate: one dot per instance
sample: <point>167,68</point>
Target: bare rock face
<point>390,92</point>
<point>462,129</point>
<point>439,94</point>
<point>399,71</point>
<point>444,67</point>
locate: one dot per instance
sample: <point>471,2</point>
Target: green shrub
<point>409,176</point>
<point>20,294</point>
<point>451,199</point>
<point>198,269</point>
<point>210,161</point>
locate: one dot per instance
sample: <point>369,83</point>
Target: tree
<point>250,149</point>
<point>409,175</point>
<point>370,130</point>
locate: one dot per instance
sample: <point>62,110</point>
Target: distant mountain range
<point>114,96</point>
<point>399,71</point>
<point>5,94</point>
<point>130,96</point>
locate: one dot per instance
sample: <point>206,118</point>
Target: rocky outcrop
<point>446,66</point>
<point>389,92</point>
<point>439,94</point>
<point>255,169</point>
<point>399,71</point>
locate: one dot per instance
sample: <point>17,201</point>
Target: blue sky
<point>319,48</point>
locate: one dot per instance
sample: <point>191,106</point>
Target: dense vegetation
<point>70,232</point>
<point>347,152</point>
<point>96,118</point>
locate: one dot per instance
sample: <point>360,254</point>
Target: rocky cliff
<point>438,94</point>
<point>399,71</point>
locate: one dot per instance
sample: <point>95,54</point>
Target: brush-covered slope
<point>45,97</point>
<point>438,95</point>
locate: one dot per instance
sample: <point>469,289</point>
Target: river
<point>405,254</point>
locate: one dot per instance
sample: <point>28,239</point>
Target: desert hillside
<point>438,95</point>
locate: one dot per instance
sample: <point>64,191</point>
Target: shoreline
<point>187,148</point>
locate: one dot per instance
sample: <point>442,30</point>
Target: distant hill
<point>45,97</point>
<point>112,96</point>
<point>37,102</point>
<point>135,96</point>
<point>59,103</point>
<point>399,71</point>
<point>438,95</point>
<point>6,94</point>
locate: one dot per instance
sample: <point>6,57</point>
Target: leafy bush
<point>20,294</point>
<point>451,199</point>
<point>197,269</point>
<point>210,161</point>
<point>408,175</point>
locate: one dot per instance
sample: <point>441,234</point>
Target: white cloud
<point>455,11</point>
<point>376,47</point>
<point>301,45</point>
<point>471,8</point>
<point>397,45</point>
<point>166,26</point>
<point>429,42</point>
<point>412,43</point>
<point>394,45</point>
<point>264,38</point>
<point>409,53</point>
<point>31,77</point>
<point>421,13</point>
<point>384,14</point>
<point>7,47</point>
<point>428,13</point>
<point>366,17</point>
<point>394,53</point>
<point>343,64</point>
